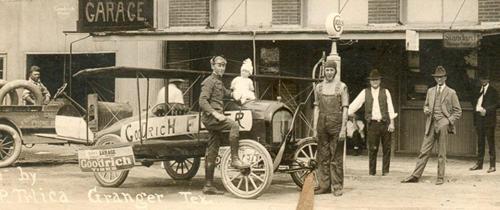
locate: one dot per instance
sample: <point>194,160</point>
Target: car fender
<point>6,121</point>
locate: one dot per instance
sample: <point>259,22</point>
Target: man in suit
<point>442,110</point>
<point>485,103</point>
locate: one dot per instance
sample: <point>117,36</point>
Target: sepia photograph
<point>249,104</point>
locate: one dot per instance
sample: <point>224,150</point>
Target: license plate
<point>101,160</point>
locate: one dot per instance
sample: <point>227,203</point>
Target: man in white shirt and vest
<point>379,115</point>
<point>442,109</point>
<point>485,117</point>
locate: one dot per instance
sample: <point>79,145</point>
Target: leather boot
<point>320,191</point>
<point>209,188</point>
<point>235,159</point>
<point>477,166</point>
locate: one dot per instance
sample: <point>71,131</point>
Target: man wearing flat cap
<point>442,109</point>
<point>34,78</point>
<point>379,114</point>
<point>212,107</point>
<point>485,104</point>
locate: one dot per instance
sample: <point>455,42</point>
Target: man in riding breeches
<point>211,104</point>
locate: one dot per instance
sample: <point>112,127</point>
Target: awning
<point>137,72</point>
<point>359,32</point>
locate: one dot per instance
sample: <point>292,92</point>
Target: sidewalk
<point>463,189</point>
<point>457,170</point>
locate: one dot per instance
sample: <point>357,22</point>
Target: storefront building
<point>287,37</point>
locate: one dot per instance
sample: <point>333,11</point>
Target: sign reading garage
<point>115,15</point>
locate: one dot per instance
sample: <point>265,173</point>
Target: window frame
<point>425,69</point>
<point>4,66</point>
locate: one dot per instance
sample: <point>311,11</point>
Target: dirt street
<point>47,177</point>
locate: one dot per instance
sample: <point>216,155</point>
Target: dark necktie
<point>437,96</point>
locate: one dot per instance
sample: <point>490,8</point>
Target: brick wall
<point>489,10</point>
<point>383,11</point>
<point>286,12</point>
<point>188,12</point>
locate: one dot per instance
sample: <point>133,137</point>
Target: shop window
<point>460,65</point>
<point>383,11</point>
<point>488,10</point>
<point>3,65</point>
<point>189,13</point>
<point>269,60</point>
<point>287,12</point>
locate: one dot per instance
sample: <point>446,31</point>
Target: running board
<point>67,139</point>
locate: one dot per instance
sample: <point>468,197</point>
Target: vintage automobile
<point>178,138</point>
<point>28,124</point>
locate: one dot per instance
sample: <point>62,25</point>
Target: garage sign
<point>101,160</point>
<point>114,15</point>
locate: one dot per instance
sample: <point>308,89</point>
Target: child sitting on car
<point>242,86</point>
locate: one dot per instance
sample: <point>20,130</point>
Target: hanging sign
<point>412,40</point>
<point>461,39</point>
<point>334,25</point>
<point>114,15</point>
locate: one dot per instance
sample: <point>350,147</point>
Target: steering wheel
<point>159,109</point>
<point>60,90</point>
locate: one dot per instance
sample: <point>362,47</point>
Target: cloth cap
<point>218,57</point>
<point>439,72</point>
<point>247,66</point>
<point>330,64</point>
<point>34,68</point>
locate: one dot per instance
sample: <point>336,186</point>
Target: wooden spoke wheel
<point>251,182</point>
<point>110,178</point>
<point>183,168</point>
<point>10,145</point>
<point>304,157</point>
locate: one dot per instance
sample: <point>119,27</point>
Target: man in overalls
<point>211,104</point>
<point>330,109</point>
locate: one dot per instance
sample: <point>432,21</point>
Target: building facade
<point>287,37</point>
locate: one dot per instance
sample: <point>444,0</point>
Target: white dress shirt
<point>376,115</point>
<point>174,95</point>
<point>479,105</point>
<point>440,88</point>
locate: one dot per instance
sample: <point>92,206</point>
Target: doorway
<point>55,71</point>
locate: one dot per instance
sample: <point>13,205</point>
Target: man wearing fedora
<point>379,115</point>
<point>485,103</point>
<point>28,97</point>
<point>442,110</point>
